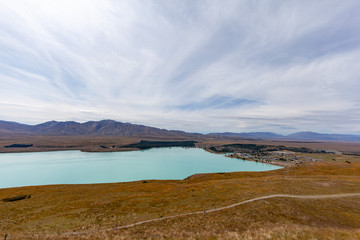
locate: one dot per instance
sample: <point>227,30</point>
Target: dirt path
<point>223,208</point>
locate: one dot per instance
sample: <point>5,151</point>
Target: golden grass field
<point>95,210</point>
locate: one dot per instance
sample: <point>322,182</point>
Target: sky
<point>192,65</point>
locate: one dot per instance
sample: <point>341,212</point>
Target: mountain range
<point>306,136</point>
<point>91,128</point>
<point>114,128</point>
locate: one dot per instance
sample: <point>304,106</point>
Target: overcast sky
<point>199,66</point>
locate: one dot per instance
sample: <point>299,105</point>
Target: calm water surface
<point>72,167</point>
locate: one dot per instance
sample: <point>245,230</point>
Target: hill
<point>99,211</point>
<point>249,135</point>
<point>320,136</point>
<point>307,136</point>
<point>91,128</point>
<point>114,128</point>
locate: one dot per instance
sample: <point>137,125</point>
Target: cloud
<point>216,102</point>
<point>227,66</point>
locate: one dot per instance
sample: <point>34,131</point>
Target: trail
<point>225,207</point>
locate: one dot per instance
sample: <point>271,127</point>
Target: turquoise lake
<point>76,167</point>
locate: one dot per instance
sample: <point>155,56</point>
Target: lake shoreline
<point>275,163</point>
<point>76,167</point>
<point>95,207</point>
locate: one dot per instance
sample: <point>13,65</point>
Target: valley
<point>112,210</point>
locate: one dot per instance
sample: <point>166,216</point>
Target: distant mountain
<point>10,127</point>
<point>309,136</point>
<point>248,135</point>
<point>321,136</point>
<point>114,128</point>
<point>92,128</point>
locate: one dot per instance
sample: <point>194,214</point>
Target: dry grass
<point>346,147</point>
<point>88,143</point>
<point>54,210</point>
<point>85,143</point>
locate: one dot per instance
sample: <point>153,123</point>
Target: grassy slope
<point>64,208</point>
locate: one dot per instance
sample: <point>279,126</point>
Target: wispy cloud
<point>190,65</point>
<point>216,102</point>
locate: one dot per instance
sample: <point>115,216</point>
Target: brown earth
<point>94,143</point>
<point>84,143</point>
<point>54,211</point>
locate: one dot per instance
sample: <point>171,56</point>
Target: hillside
<point>99,211</point>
